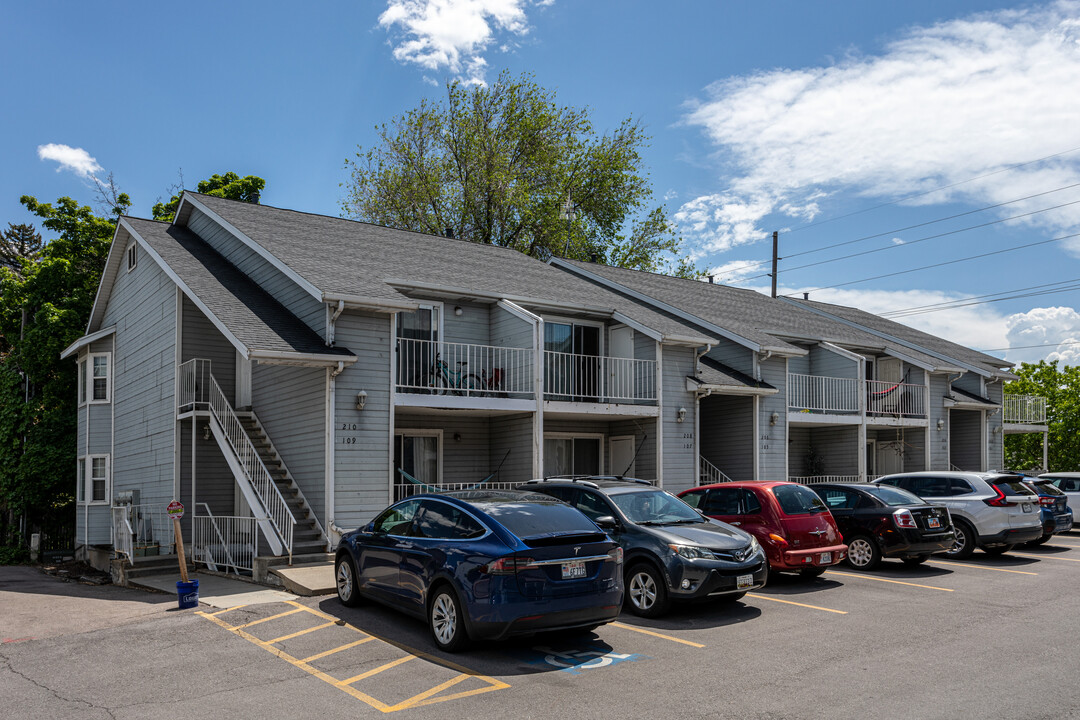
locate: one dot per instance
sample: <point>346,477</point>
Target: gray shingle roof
<point>966,396</point>
<point>770,322</point>
<point>931,342</point>
<point>712,372</point>
<point>254,318</point>
<point>346,257</point>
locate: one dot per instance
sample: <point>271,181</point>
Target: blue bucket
<point>188,593</point>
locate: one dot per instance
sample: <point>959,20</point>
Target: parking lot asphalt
<point>987,637</point>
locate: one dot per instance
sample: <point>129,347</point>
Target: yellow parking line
<point>1043,557</point>
<point>290,636</point>
<point>226,610</point>
<point>656,634</point>
<point>375,671</point>
<point>789,602</point>
<point>267,619</point>
<point>886,580</point>
<point>320,656</point>
<point>980,567</point>
<point>418,699</point>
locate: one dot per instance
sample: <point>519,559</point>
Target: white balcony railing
<point>140,530</point>
<point>806,479</point>
<point>899,399</point>
<point>710,474</point>
<point>1025,410</point>
<point>224,543</point>
<point>815,393</point>
<point>194,385</point>
<point>442,368</point>
<point>596,378</point>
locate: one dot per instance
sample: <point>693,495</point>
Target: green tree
<point>498,165</point>
<point>18,243</point>
<point>229,186</point>
<point>1061,388</point>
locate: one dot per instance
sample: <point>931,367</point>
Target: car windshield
<point>893,495</point>
<point>654,507</point>
<point>1015,487</point>
<point>798,500</point>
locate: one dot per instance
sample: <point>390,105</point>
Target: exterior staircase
<point>309,538</point>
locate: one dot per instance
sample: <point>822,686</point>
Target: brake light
<point>616,555</point>
<point>778,539</point>
<point>1048,501</point>
<point>904,519</point>
<point>999,500</point>
<point>507,565</point>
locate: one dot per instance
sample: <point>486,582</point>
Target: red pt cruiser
<point>790,521</point>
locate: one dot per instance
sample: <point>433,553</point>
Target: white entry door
<point>621,372</point>
<point>622,456</point>
<point>889,459</point>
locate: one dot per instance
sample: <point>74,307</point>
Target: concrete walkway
<point>217,591</point>
<point>307,579</point>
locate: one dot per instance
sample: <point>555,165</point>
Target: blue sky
<point>829,122</point>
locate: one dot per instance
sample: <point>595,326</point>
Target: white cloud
<point>451,34</point>
<point>731,272</point>
<point>76,160</point>
<point>946,103</point>
<point>1053,327</point>
<point>897,241</point>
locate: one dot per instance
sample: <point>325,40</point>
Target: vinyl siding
<point>838,447</point>
<point>508,330</point>
<point>214,481</point>
<point>828,363</point>
<point>513,433</point>
<point>288,293</point>
<point>142,306</point>
<point>644,347</point>
<point>645,460</point>
<point>727,434</point>
<point>939,439</point>
<point>911,440</point>
<point>463,461</point>
<point>473,326</point>
<point>965,439</point>
<point>995,440</point>
<point>94,525</point>
<point>362,467</point>
<point>202,340</point>
<point>798,448</point>
<point>679,472</point>
<point>971,382</point>
<point>290,402</point>
<point>733,355</point>
<point>771,441</point>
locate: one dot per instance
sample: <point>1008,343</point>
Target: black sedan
<point>880,521</point>
<point>672,551</point>
<point>484,564</point>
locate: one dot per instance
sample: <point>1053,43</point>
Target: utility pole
<point>775,248</point>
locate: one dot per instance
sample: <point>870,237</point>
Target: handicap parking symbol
<point>576,660</point>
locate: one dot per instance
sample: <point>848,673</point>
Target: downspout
<point>331,397</point>
<point>331,325</point>
<point>762,357</point>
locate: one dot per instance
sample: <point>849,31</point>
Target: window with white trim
<point>132,255</point>
<point>96,478</point>
<point>418,453</point>
<point>82,381</point>
<point>572,454</point>
<point>80,482</point>
<point>99,377</point>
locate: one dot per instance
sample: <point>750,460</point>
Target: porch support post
<point>537,323</point>
<point>1046,457</point>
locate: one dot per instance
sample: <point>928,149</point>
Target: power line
<point>947,262</point>
<point>964,302</point>
<point>1029,347</point>
<point>930,192</point>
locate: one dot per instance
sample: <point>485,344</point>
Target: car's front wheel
<point>446,621</point>
<point>863,553</point>
<point>646,591</point>
<point>345,580</point>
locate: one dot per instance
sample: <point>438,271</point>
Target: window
<point>82,381</point>
<point>894,496</point>
<point>722,501</point>
<point>96,478</point>
<point>693,499</point>
<point>98,379</point>
<point>567,455</point>
<point>798,500</point>
<point>959,486</point>
<point>417,453</point>
<point>593,506</point>
<point>571,360</point>
<point>397,519</point>
<point>441,521</point>
<point>132,255</point>
<point>838,499</point>
<point>80,482</point>
<point>930,487</point>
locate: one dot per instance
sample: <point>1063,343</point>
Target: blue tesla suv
<point>484,564</point>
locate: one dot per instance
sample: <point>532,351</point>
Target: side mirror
<point>607,522</point>
<point>369,528</point>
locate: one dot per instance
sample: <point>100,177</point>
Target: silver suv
<point>992,511</point>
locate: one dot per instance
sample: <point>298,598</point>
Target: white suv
<point>992,511</point>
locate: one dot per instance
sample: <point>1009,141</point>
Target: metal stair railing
<point>710,474</point>
<point>274,505</point>
<point>199,542</point>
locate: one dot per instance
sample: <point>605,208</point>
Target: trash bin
<point>188,593</point>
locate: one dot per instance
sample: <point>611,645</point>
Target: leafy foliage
<point>18,243</point>
<point>497,165</point>
<point>1061,388</point>
<point>229,186</point>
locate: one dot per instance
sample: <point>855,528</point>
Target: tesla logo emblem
<point>577,549</point>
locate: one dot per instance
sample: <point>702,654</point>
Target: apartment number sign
<point>688,440</point>
<point>347,432</point>
<point>765,441</point>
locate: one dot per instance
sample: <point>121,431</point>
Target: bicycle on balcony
<point>442,380</point>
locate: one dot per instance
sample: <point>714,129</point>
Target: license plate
<point>575,569</point>
<point>933,522</point>
<point>744,581</point>
<point>1027,507</point>
<point>826,557</point>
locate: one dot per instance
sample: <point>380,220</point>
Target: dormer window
<point>132,255</point>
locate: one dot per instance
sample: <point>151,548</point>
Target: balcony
<point>816,394</point>
<point>1024,410</point>
<point>598,379</point>
<point>436,368</point>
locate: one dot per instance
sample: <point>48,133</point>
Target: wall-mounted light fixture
<point>940,424</point>
<point>458,311</point>
<point>997,429</point>
<point>205,432</point>
<point>774,418</point>
<point>457,437</point>
<point>361,399</point>
<point>680,414</point>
